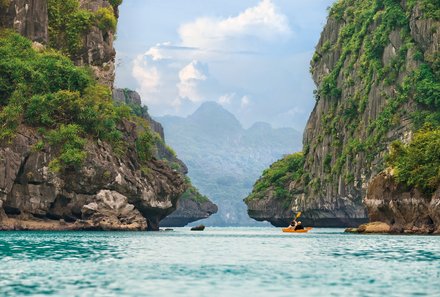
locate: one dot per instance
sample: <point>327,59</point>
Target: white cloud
<point>173,79</point>
<point>295,111</point>
<point>263,22</point>
<point>147,77</point>
<point>226,99</point>
<point>251,50</point>
<point>156,52</point>
<point>190,78</point>
<point>192,71</point>
<point>245,102</point>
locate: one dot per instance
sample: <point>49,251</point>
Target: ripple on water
<point>218,262</point>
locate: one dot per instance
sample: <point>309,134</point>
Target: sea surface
<point>247,262</point>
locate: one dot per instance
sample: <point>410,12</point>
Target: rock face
<point>279,212</point>
<point>408,211</point>
<point>188,211</point>
<point>98,51</point>
<point>192,206</point>
<point>107,192</point>
<point>110,190</point>
<point>363,104</point>
<point>30,19</point>
<point>110,210</point>
<point>27,17</point>
<point>272,210</point>
<point>132,98</point>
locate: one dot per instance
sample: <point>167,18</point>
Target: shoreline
<point>29,225</point>
<point>14,224</point>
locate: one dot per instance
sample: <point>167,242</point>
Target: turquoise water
<point>218,262</point>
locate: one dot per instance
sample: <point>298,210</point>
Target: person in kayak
<point>293,224</point>
<point>299,226</point>
<point>296,225</point>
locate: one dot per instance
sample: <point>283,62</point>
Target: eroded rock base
<point>407,211</point>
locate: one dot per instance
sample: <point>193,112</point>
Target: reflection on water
<point>218,262</point>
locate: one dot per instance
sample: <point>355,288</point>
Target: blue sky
<point>251,56</point>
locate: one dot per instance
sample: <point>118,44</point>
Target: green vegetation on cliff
<point>4,4</point>
<point>115,3</point>
<point>430,8</point>
<point>144,145</point>
<point>46,90</point>
<point>418,163</point>
<point>362,42</point>
<point>68,23</point>
<point>278,176</point>
<point>69,140</point>
<point>193,194</point>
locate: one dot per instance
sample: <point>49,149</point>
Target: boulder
<point>198,228</point>
<point>374,227</point>
<point>110,210</point>
<point>404,210</point>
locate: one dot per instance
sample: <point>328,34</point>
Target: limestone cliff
<point>96,48</point>
<point>108,192</point>
<point>405,210</point>
<point>163,152</point>
<point>75,27</point>
<point>376,68</point>
<point>191,206</point>
<point>29,18</point>
<point>71,159</point>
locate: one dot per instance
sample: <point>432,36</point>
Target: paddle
<point>297,215</point>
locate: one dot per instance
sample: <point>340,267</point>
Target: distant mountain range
<point>224,159</point>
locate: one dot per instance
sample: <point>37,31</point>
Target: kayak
<point>288,230</point>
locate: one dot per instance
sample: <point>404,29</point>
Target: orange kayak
<point>288,230</point>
